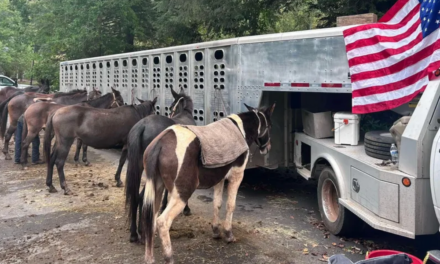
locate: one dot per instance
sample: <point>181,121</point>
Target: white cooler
<point>346,128</point>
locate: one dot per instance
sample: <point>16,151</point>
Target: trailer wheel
<point>337,219</point>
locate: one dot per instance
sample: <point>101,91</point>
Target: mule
<point>36,115</point>
<point>173,161</point>
<point>8,91</point>
<point>16,106</point>
<point>97,128</point>
<point>139,138</point>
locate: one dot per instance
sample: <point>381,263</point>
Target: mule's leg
<point>133,232</point>
<point>140,205</point>
<point>234,183</point>
<point>121,164</point>
<point>218,199</point>
<point>78,149</point>
<point>164,222</point>
<point>84,159</point>
<point>25,148</point>
<point>186,211</point>
<point>8,136</point>
<point>63,148</point>
<point>50,165</point>
<point>164,201</point>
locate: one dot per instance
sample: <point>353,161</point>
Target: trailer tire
<point>337,219</point>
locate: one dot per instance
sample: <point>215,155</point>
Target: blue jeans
<point>35,144</point>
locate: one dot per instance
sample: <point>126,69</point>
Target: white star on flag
<point>424,19</point>
<point>423,9</point>
<point>437,21</point>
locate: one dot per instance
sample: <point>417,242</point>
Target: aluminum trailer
<point>298,70</point>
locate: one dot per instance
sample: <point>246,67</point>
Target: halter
<point>175,107</point>
<point>114,101</point>
<point>265,130</point>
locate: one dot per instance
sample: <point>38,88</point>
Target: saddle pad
<point>222,142</point>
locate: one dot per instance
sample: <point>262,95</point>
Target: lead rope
<point>114,101</point>
<point>132,96</point>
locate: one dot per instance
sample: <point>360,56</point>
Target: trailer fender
<point>325,160</point>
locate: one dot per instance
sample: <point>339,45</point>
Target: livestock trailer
<point>305,70</point>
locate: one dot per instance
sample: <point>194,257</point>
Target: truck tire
<point>377,144</point>
<point>337,219</point>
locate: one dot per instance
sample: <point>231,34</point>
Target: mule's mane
<point>73,92</point>
<point>143,109</point>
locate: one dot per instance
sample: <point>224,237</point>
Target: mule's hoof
<point>187,212</point>
<point>52,189</point>
<point>215,232</point>
<point>67,191</point>
<point>134,238</point>
<point>87,164</point>
<point>229,237</point>
<point>7,156</point>
<point>142,240</point>
<point>119,184</point>
<point>169,260</point>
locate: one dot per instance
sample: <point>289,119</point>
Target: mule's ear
<point>113,90</point>
<point>269,110</point>
<point>175,95</point>
<point>250,108</point>
<point>140,100</point>
<point>154,100</point>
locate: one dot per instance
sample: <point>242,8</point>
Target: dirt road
<point>276,221</point>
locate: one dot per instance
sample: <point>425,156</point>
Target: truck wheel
<point>337,219</point>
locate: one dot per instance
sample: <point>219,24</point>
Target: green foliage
<point>50,31</point>
<point>332,9</point>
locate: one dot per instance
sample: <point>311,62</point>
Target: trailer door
<point>435,174</point>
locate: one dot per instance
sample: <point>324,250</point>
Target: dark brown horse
<point>36,116</point>
<point>16,106</point>
<point>173,161</point>
<point>97,128</point>
<point>139,138</point>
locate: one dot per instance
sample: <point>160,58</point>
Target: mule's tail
<point>25,129</point>
<point>134,168</point>
<point>148,212</point>
<point>48,139</point>
<point>4,114</point>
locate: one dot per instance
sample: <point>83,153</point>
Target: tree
<point>332,9</point>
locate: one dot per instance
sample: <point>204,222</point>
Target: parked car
<point>6,81</point>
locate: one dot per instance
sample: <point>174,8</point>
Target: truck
<point>307,74</point>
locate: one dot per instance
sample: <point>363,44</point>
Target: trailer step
<point>307,174</point>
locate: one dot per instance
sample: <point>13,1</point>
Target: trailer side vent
<point>182,57</point>
<point>124,63</point>
<point>134,62</point>
<point>169,59</point>
<point>116,64</point>
<point>218,54</point>
<point>108,64</point>
<point>198,56</point>
<point>156,60</point>
<point>144,61</point>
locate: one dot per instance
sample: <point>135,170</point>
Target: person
<point>35,145</point>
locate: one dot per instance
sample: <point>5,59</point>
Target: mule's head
<point>264,126</point>
<point>147,106</point>
<point>117,99</point>
<point>180,103</point>
<point>95,93</point>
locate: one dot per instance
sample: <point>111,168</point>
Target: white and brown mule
<point>185,158</point>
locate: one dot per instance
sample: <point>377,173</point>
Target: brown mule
<point>176,158</point>
<point>97,128</point>
<point>17,105</point>
<point>36,116</point>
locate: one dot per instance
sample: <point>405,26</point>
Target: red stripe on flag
<point>331,85</point>
<point>411,14</point>
<point>385,105</point>
<point>377,38</point>
<point>393,11</point>
<point>384,53</point>
<point>300,85</point>
<point>272,84</point>
<point>389,87</point>
<point>401,65</point>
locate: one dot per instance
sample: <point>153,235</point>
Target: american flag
<point>393,60</point>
